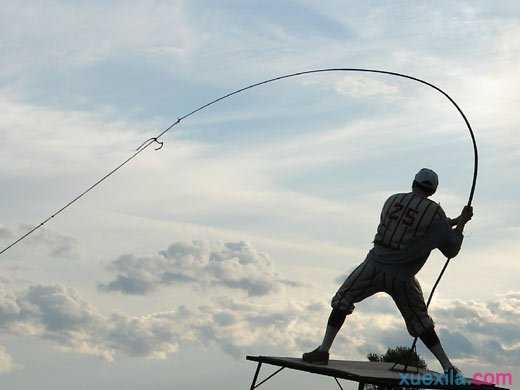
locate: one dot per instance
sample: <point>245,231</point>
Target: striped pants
<point>368,279</point>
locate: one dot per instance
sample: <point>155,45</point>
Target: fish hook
<point>149,141</point>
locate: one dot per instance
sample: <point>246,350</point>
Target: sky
<point>232,239</point>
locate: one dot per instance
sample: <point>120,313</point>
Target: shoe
<point>316,357</point>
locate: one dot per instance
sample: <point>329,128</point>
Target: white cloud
<point>53,244</point>
<point>490,328</point>
<point>59,314</point>
<point>45,142</point>
<point>6,362</point>
<point>89,33</point>
<point>234,265</point>
<point>362,87</point>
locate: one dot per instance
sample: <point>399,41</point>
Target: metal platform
<point>367,373</point>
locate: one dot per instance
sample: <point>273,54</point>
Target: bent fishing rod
<point>157,141</point>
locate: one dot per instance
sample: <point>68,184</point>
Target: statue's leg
<point>362,283</point>
<point>409,298</point>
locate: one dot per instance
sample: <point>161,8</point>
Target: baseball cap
<point>427,178</point>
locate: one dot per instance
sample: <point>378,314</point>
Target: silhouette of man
<point>411,226</point>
